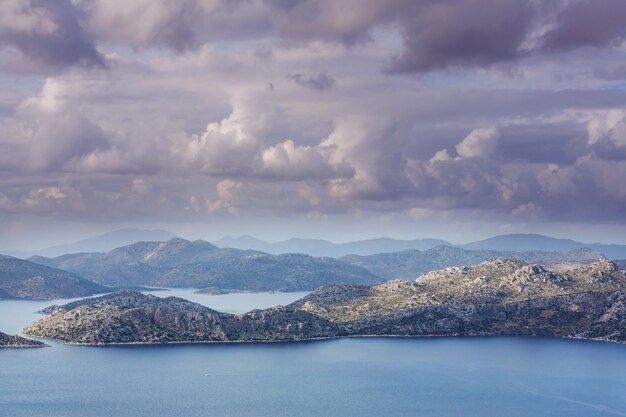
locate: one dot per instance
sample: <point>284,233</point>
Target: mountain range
<point>532,242</point>
<point>316,247</point>
<point>101,243</point>
<point>326,248</point>
<point>182,263</point>
<point>510,242</point>
<point>410,264</point>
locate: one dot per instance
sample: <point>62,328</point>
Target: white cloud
<point>481,143</point>
<point>610,125</point>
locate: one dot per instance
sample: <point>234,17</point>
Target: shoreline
<point>314,339</point>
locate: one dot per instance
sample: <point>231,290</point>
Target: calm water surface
<point>349,377</point>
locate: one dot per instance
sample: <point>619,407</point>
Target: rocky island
<point>7,341</point>
<point>497,297</point>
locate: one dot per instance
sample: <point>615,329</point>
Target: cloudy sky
<point>341,119</point>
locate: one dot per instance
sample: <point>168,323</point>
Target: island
<point>7,341</point>
<point>494,298</point>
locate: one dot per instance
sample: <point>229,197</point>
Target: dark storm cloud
<point>319,82</point>
<point>49,32</point>
<point>435,34</point>
<point>469,33</point>
<point>587,23</point>
<point>459,33</point>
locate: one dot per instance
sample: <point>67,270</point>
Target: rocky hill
<point>131,317</point>
<point>410,264</point>
<point>24,279</point>
<point>7,341</point>
<point>497,297</point>
<point>181,263</point>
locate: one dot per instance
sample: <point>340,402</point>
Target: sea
<point>360,377</point>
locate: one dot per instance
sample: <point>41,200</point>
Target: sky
<point>337,119</point>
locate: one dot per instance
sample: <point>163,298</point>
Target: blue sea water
<point>377,377</point>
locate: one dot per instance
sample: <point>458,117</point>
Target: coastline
<point>316,339</point>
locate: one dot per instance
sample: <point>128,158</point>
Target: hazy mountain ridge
<point>23,279</point>
<point>181,263</point>
<point>497,297</point>
<point>410,264</point>
<point>502,243</point>
<point>325,248</point>
<point>101,243</point>
<point>531,242</point>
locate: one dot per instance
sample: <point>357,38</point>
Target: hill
<point>410,264</point>
<point>131,317</point>
<point>532,242</point>
<point>23,279</point>
<point>199,264</point>
<point>7,341</point>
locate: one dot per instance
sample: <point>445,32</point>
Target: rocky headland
<point>7,341</point>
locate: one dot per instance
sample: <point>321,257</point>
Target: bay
<point>452,376</point>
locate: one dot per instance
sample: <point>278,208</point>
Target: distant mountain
<point>102,243</point>
<point>199,264</point>
<point>317,247</point>
<point>23,279</point>
<point>244,242</point>
<point>410,264</point>
<point>530,242</point>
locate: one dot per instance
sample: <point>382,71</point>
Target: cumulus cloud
<point>183,125</point>
<point>288,161</point>
<point>607,134</point>
<point>58,133</point>
<point>480,143</point>
<point>232,146</point>
<point>609,126</point>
